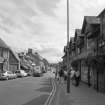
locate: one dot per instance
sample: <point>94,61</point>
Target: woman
<point>72,76</point>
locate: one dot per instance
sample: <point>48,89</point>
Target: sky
<point>41,24</point>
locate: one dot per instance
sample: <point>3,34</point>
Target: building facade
<point>87,51</point>
<point>8,59</point>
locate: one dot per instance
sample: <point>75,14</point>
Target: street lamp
<point>68,76</point>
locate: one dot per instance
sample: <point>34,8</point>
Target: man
<point>72,73</point>
<point>60,75</point>
<point>77,77</point>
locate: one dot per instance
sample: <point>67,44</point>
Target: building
<point>14,61</point>
<point>8,58</point>
<point>87,51</point>
<point>38,60</point>
<point>84,57</point>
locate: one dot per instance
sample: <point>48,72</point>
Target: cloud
<point>47,6</point>
<point>54,54</point>
<point>41,24</point>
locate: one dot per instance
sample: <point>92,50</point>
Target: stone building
<point>87,51</point>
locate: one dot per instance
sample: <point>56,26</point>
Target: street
<point>25,91</point>
<point>52,52</point>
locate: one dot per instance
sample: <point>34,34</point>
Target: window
<point>1,52</point>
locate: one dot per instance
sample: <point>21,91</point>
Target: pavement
<point>81,95</point>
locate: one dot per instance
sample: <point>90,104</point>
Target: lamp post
<point>68,76</point>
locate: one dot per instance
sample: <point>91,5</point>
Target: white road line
<point>50,98</point>
<point>53,93</point>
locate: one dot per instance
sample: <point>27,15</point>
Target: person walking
<point>65,75</point>
<point>56,74</point>
<point>72,76</point>
<point>77,77</point>
<point>60,75</point>
<point>72,73</point>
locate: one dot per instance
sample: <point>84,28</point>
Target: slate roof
<point>103,11</point>
<point>92,19</point>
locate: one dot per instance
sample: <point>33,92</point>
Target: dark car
<point>29,73</point>
<point>37,73</point>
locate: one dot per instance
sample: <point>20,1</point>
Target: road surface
<point>25,91</point>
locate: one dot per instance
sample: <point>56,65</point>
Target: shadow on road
<point>38,101</point>
<point>46,84</point>
<point>45,89</point>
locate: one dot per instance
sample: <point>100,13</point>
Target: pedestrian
<point>72,76</point>
<point>65,75</point>
<point>60,75</point>
<point>77,77</point>
<point>56,74</point>
<point>72,73</point>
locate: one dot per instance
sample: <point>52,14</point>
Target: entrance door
<point>91,77</point>
<point>1,67</point>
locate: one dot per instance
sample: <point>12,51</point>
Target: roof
<point>15,54</point>
<point>92,19</point>
<point>101,14</point>
<point>3,44</point>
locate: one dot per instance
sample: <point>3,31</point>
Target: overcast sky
<point>41,24</point>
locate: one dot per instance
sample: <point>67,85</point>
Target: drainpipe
<point>89,75</point>
<point>8,60</point>
<point>97,68</point>
<point>80,70</point>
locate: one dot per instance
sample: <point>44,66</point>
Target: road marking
<point>51,96</point>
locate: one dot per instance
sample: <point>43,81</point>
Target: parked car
<point>21,73</point>
<point>13,76</point>
<point>7,75</point>
<point>29,73</point>
<point>24,73</point>
<point>37,73</point>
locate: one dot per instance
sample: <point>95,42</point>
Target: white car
<point>21,73</point>
<point>24,73</point>
<point>7,75</point>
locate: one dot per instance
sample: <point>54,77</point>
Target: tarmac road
<point>26,91</point>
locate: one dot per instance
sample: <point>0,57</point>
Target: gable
<point>12,58</point>
<point>88,22</point>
